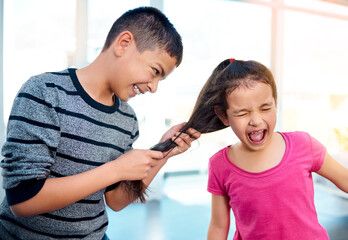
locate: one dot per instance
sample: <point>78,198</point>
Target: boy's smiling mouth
<point>137,90</point>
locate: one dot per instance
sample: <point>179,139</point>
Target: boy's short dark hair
<point>151,29</point>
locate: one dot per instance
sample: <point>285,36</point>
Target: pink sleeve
<point>318,154</point>
<point>214,185</point>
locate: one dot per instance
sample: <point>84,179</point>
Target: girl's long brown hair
<point>226,77</point>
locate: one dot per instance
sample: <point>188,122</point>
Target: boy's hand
<point>136,164</point>
<point>183,141</point>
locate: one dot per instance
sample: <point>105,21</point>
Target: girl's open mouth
<point>257,137</point>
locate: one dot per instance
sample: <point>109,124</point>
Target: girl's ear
<point>123,42</point>
<point>221,115</point>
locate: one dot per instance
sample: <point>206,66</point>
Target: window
<point>315,77</point>
<point>39,36</point>
<point>310,62</point>
<point>101,16</point>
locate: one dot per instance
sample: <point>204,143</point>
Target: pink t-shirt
<point>277,203</point>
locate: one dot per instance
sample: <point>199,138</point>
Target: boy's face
<point>252,115</point>
<point>140,72</point>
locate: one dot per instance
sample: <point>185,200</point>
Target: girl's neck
<point>261,160</point>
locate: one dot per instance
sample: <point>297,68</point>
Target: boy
<point>70,135</point>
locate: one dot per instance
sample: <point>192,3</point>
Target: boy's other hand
<point>183,141</point>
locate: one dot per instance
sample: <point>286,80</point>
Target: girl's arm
<point>334,172</point>
<point>220,218</point>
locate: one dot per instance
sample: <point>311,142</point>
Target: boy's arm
<point>118,198</point>
<point>220,218</point>
<point>334,172</point>
<point>60,192</point>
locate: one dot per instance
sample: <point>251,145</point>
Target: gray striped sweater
<point>56,129</point>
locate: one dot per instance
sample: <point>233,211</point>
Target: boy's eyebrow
<point>163,73</point>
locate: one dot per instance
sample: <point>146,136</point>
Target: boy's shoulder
<point>42,79</point>
<point>46,87</point>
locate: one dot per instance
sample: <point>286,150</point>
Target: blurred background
<point>303,42</point>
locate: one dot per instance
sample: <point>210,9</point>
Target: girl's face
<point>252,115</point>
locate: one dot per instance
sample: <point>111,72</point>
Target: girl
<point>266,178</point>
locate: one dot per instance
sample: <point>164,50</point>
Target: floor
<point>183,212</point>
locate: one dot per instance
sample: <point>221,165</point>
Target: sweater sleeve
<point>135,130</point>
<point>133,138</point>
<point>33,135</point>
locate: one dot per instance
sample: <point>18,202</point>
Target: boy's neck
<point>94,83</point>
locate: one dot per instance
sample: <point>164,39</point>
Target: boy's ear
<point>221,115</point>
<point>123,41</point>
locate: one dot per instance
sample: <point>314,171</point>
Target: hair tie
<point>231,60</point>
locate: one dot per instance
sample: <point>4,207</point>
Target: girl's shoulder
<point>295,136</point>
<point>219,154</point>
<point>301,140</point>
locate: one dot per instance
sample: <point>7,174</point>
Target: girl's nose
<point>255,119</point>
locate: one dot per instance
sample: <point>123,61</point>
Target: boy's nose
<point>153,86</point>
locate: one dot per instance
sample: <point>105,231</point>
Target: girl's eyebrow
<point>240,110</point>
<point>267,104</point>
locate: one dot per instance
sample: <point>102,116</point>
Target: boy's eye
<point>156,71</point>
<point>266,109</point>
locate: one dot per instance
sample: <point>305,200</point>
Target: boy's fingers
<point>193,133</point>
<point>182,140</point>
<point>187,139</point>
<point>178,127</point>
<point>154,162</point>
<point>156,154</point>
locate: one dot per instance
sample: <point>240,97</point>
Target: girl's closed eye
<point>241,114</point>
<point>265,109</point>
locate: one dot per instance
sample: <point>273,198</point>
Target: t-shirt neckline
<point>90,101</point>
<point>264,173</point>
